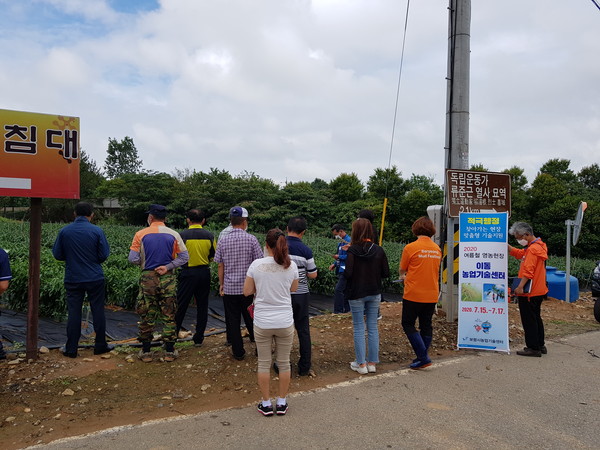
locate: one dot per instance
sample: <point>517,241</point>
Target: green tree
<point>518,192</point>
<point>549,223</point>
<point>422,192</point>
<point>217,191</point>
<point>346,188</point>
<point>319,185</point>
<point>90,176</point>
<point>518,180</point>
<point>386,183</point>
<point>590,178</point>
<point>427,185</point>
<point>122,158</point>
<point>137,191</point>
<point>544,191</point>
<point>412,206</point>
<point>300,199</point>
<point>479,168</point>
<point>559,169</point>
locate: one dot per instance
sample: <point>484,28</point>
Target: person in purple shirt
<point>84,248</point>
<point>5,277</point>
<point>235,253</point>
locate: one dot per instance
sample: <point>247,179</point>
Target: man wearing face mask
<point>158,250</point>
<point>235,253</point>
<point>340,303</point>
<point>532,288</point>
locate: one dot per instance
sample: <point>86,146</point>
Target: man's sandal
<point>171,356</point>
<point>145,356</point>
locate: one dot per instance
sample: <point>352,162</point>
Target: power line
<point>397,95</point>
<point>596,3</point>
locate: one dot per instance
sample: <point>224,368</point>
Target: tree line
<point>547,202</point>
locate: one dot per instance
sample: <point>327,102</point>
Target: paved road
<point>477,400</point>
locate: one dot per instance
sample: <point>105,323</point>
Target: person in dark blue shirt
<point>5,276</point>
<point>84,248</point>
<point>340,302</point>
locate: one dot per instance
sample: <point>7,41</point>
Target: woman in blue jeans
<point>366,266</point>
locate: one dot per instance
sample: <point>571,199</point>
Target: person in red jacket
<point>532,288</point>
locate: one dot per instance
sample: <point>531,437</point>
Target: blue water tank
<point>557,284</point>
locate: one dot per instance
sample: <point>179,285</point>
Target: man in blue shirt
<point>340,304</point>
<point>83,247</point>
<point>5,276</point>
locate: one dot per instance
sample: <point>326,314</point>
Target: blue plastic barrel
<point>557,284</point>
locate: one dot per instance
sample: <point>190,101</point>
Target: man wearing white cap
<point>235,253</point>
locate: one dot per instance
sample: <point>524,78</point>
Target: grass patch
<point>184,345</point>
<point>64,381</point>
<point>124,349</point>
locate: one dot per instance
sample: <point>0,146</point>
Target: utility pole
<point>457,136</point>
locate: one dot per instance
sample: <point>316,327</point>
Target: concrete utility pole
<point>457,134</point>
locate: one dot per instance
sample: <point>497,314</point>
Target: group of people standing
<point>268,287</point>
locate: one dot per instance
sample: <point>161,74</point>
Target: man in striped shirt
<point>194,277</point>
<point>302,255</point>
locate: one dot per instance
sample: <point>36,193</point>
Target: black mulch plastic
<point>122,325</point>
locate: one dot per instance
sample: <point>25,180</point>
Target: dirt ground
<point>55,397</point>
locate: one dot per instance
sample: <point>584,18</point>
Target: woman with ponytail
<point>366,266</point>
<point>272,279</point>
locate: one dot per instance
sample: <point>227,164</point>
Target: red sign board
<point>39,155</point>
<point>477,192</point>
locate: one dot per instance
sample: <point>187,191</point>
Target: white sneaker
<point>356,367</point>
<point>371,368</point>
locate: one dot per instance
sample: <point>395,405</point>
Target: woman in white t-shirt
<point>272,279</point>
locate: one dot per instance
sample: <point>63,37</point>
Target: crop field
<point>122,277</point>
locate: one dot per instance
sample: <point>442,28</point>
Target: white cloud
<point>298,89</point>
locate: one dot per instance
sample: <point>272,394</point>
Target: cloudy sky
<point>299,89</point>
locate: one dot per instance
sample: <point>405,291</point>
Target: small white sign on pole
<point>483,281</point>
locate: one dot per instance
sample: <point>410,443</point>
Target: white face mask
<point>522,242</point>
<point>337,236</point>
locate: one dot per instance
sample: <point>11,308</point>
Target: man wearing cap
<point>158,250</point>
<point>84,248</point>
<point>194,277</point>
<point>235,253</point>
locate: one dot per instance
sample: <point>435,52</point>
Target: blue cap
<point>157,211</point>
<point>238,211</point>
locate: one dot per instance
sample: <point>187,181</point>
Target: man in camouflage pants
<point>158,250</point>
